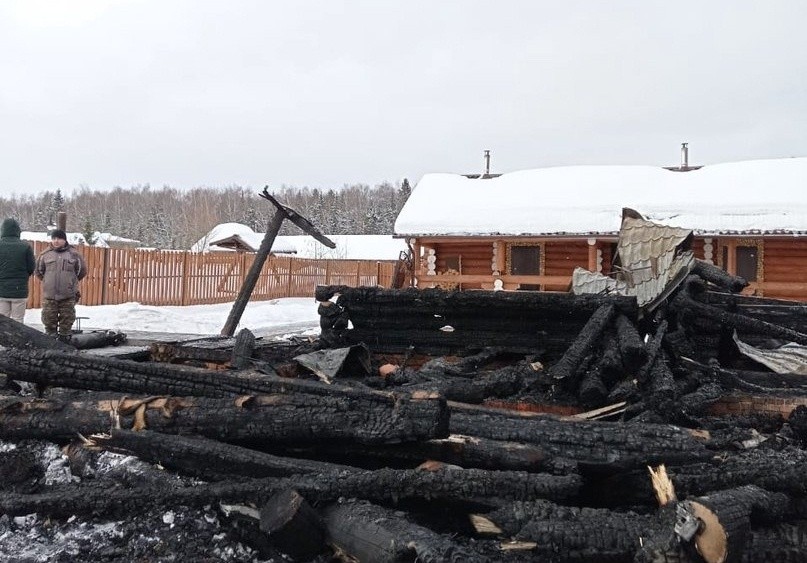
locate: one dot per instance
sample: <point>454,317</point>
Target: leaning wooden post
<point>282,212</point>
<point>254,272</point>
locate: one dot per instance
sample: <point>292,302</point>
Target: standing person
<point>60,268</point>
<point>16,266</point>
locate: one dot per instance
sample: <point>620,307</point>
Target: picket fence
<point>175,277</point>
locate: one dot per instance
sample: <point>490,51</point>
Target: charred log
<point>783,543</point>
<point>500,383</point>
<point>631,347</point>
<point>740,322</point>
<point>463,451</point>
<point>19,335</point>
<point>719,276</point>
<point>370,533</point>
<point>783,471</point>
<point>653,350</point>
<point>486,488</point>
<point>726,518</point>
<point>590,443</point>
<point>583,345</point>
<point>790,314</point>
<point>592,391</point>
<point>292,525</point>
<point>243,348</point>
<point>585,534</point>
<point>78,371</point>
<point>751,381</point>
<point>220,349</point>
<point>279,418</point>
<point>209,459</point>
<point>466,366</point>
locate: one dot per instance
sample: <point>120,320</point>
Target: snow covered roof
<point>241,236</point>
<point>349,247</point>
<point>751,197</point>
<point>110,238</point>
<point>75,239</point>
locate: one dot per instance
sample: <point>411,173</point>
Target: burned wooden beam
<point>584,344</point>
<point>790,314</point>
<point>726,518</point>
<point>243,349</point>
<point>293,418</point>
<point>653,349</point>
<point>273,228</point>
<point>783,471</point>
<point>208,349</point>
<point>631,348</point>
<point>221,349</point>
<point>293,525</point>
<point>19,335</point>
<point>498,383</point>
<point>367,532</point>
<point>585,534</point>
<point>594,444</point>
<point>463,451</point>
<point>485,488</point>
<point>742,323</point>
<point>78,371</point>
<point>718,276</point>
<point>206,458</point>
<point>782,543</point>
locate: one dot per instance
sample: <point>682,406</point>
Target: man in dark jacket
<point>60,268</point>
<point>16,266</point>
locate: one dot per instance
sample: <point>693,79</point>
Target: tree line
<point>171,218</point>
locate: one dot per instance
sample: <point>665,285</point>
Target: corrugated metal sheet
<point>653,260</point>
<point>790,358</point>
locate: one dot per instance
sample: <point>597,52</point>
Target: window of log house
<point>452,263</point>
<point>525,260</point>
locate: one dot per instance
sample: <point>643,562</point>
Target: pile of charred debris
<point>426,425</point>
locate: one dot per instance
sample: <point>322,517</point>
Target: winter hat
<point>58,233</point>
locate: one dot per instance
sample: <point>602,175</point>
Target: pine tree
<point>405,191</point>
<point>89,233</point>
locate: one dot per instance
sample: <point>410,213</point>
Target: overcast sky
<point>323,93</point>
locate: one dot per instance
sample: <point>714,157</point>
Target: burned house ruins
<point>660,415</point>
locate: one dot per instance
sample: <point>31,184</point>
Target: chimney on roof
<point>684,156</point>
<point>487,162</point>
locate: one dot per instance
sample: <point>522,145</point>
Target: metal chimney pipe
<point>487,163</point>
<point>684,156</point>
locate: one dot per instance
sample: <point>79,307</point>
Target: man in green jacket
<point>16,266</point>
<point>60,268</point>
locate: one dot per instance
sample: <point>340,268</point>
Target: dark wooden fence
<point>173,277</point>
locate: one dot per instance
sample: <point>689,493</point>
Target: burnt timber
<point>345,467</point>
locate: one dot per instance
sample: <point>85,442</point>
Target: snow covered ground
<point>291,314</point>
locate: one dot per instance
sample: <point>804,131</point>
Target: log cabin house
<point>531,229</point>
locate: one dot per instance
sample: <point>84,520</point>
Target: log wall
<point>562,257</point>
<point>474,257</point>
<point>784,261</point>
<point>785,268</point>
